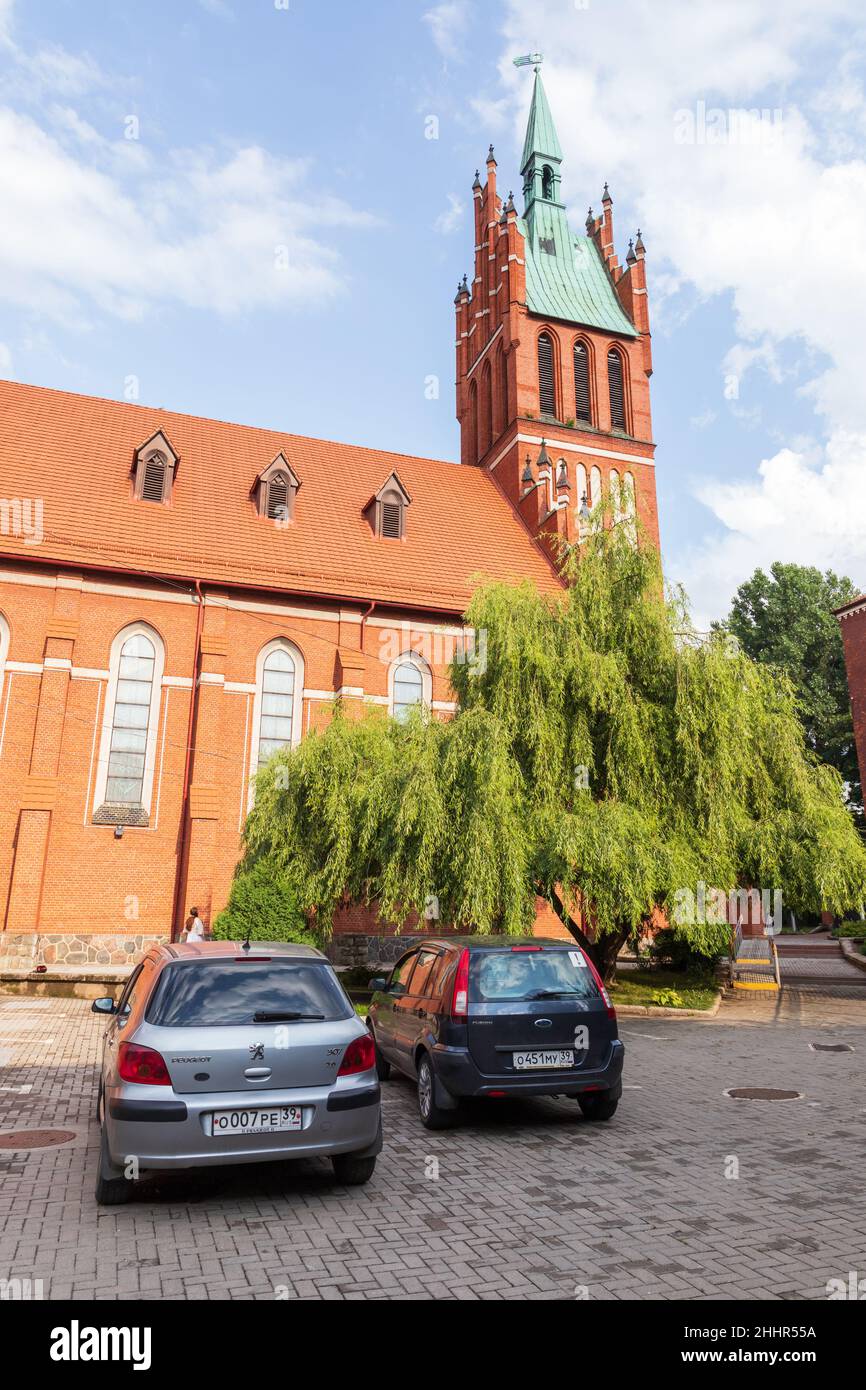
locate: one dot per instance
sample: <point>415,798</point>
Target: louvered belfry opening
<point>583,407</point>
<point>617,396</point>
<point>153,487</point>
<point>546,389</point>
<point>392,520</point>
<point>278,498</point>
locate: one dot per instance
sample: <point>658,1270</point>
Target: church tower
<point>553,350</point>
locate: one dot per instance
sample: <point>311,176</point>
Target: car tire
<point>432,1115</point>
<point>111,1190</point>
<point>598,1107</point>
<point>383,1067</point>
<point>351,1171</point>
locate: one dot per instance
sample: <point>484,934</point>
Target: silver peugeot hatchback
<point>221,1053</point>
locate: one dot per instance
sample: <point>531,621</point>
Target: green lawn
<point>640,987</point>
<point>361,1010</point>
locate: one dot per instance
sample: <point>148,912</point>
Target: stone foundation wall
<point>25,950</point>
<point>357,948</point>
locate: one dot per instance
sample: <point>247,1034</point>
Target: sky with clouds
<point>258,210</point>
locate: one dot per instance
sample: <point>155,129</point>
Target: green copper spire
<point>566,277</point>
<point>542,156</point>
<point>541,138</point>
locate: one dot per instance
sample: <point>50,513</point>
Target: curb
<point>656,1011</point>
<point>851,954</point>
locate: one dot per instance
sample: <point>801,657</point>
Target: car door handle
<point>257,1073</point>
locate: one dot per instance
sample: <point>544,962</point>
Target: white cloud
<point>800,507</point>
<point>113,225</point>
<point>452,218</point>
<point>227,233</point>
<point>770,215</point>
<point>448,24</point>
<point>6,369</point>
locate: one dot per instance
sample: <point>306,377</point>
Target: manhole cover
<point>761,1093</point>
<point>35,1138</point>
<point>831,1047</point>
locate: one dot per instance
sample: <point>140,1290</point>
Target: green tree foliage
<point>785,619</point>
<point>604,758</point>
<point>263,906</point>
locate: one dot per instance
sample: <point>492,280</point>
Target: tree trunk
<point>604,951</point>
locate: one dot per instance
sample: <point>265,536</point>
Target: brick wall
<point>60,872</point>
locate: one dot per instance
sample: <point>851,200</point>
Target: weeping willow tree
<point>603,757</point>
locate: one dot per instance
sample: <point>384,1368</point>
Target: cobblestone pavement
<point>531,1202</point>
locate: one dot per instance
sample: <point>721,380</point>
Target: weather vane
<point>536,59</point>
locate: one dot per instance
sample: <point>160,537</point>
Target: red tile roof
<point>76,452</point>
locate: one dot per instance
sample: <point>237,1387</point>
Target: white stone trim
<point>240,688</point>
<point>181,682</point>
<point>57,663</point>
<point>131,630</point>
<point>25,668</point>
<point>572,448</point>
<point>88,673</point>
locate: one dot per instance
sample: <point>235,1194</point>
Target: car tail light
<point>360,1055</point>
<point>460,996</point>
<point>252,957</point>
<point>142,1064</point>
<point>611,1011</point>
<point>526,948</point>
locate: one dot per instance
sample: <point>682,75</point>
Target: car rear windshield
<point>212,993</point>
<point>499,976</point>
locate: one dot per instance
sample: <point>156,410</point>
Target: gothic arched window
<point>546,383</point>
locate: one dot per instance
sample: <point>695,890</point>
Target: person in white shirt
<point>193,927</point>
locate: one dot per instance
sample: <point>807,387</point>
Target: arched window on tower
<point>546,384</point>
<point>581,486</point>
<point>582,399</point>
<point>616,387</point>
<point>499,416</point>
<point>547,183</point>
<point>615,499</point>
<point>595,492</point>
<point>473,422</point>
<point>485,406</point>
<point>629,507</point>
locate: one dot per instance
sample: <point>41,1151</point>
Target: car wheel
<point>383,1067</point>
<point>598,1107</point>
<point>352,1172</point>
<point>432,1115</point>
<point>111,1190</point>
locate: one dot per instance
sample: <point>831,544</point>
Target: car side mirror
<point>103,1006</point>
<point>378,983</point>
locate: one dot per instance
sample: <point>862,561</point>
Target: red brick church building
<point>181,597</point>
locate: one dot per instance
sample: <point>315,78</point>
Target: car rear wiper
<point>551,994</point>
<point>263,1017</point>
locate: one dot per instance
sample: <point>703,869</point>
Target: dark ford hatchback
<point>482,1016</point>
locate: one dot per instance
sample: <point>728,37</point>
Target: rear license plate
<point>279,1117</point>
<point>543,1060</point>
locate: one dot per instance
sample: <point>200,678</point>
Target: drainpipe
<point>364,617</point>
<point>184,808</point>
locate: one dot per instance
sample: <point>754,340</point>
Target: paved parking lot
<point>523,1202</point>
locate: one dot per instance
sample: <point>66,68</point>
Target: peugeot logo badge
<point>257,1051</point>
<point>543,1023</point>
